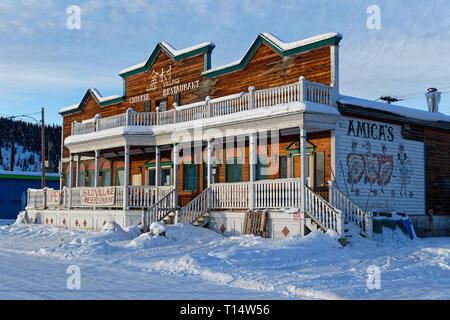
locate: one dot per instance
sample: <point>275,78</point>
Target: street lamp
<point>41,123</point>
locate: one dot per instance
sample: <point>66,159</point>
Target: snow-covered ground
<point>197,263</point>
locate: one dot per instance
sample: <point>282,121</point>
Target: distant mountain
<point>26,138</point>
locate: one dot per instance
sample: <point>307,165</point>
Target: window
<point>319,173</point>
<point>120,177</point>
<point>91,174</point>
<point>105,173</point>
<point>215,174</point>
<point>82,175</point>
<point>283,167</point>
<point>151,176</point>
<point>147,106</point>
<point>162,104</point>
<point>261,169</point>
<point>233,172</point>
<point>189,177</point>
<point>176,98</point>
<point>166,176</point>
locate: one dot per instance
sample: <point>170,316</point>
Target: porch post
<point>175,179</point>
<point>97,168</point>
<point>71,171</point>
<point>77,182</point>
<point>303,166</point>
<point>252,167</point>
<point>158,166</point>
<point>209,165</point>
<point>127,176</point>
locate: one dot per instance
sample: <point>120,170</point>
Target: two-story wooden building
<point>269,131</point>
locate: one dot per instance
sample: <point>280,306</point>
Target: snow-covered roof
<point>279,44</point>
<point>396,109</point>
<point>97,96</point>
<point>174,53</point>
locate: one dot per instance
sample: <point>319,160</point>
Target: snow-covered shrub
<point>158,229</point>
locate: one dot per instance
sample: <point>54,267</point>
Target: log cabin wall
<point>437,170</point>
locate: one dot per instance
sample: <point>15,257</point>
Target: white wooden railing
<point>197,207</point>
<point>146,196</point>
<point>159,210</point>
<point>280,193</point>
<point>138,197</point>
<point>299,91</point>
<point>323,212</point>
<point>352,212</point>
<point>36,198</point>
<point>230,195</point>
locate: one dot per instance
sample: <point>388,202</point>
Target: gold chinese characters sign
<point>169,85</point>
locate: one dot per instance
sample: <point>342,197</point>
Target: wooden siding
<point>437,170</point>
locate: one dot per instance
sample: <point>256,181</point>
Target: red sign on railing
<point>98,196</point>
<point>54,197</point>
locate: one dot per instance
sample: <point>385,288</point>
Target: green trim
<point>206,49</point>
<point>18,176</point>
<point>182,177</point>
<point>112,101</point>
<point>206,61</point>
<point>260,39</point>
<point>290,151</point>
<point>147,164</point>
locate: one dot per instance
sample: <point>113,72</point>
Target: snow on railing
<point>299,91</point>
<point>352,212</point>
<point>146,196</point>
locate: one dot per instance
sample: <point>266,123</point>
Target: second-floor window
<point>147,106</point>
<point>162,104</point>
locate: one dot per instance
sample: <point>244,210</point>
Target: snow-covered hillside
<point>197,263</point>
<point>24,159</point>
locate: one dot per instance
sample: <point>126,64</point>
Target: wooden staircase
<point>163,210</point>
<point>196,212</point>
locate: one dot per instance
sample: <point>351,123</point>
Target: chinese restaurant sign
<point>163,80</point>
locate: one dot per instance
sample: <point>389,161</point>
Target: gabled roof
<point>282,48</point>
<point>102,101</point>
<point>176,55</point>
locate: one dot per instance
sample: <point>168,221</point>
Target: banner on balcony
<point>98,196</point>
<point>54,197</point>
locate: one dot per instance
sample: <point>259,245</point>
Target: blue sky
<point>42,63</point>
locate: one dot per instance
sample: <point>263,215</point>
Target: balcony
<point>301,91</point>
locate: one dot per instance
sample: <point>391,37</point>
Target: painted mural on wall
<point>379,168</point>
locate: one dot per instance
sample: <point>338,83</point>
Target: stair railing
<point>197,207</point>
<point>352,212</point>
<point>159,210</point>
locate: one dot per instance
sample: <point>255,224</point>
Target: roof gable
<point>175,55</point>
<point>95,94</point>
<point>282,48</point>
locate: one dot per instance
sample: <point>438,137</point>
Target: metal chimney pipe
<point>433,97</point>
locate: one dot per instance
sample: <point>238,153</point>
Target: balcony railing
<point>303,91</point>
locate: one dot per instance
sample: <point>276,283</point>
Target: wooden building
<point>188,143</point>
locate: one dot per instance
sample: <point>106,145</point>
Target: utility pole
<point>42,150</point>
